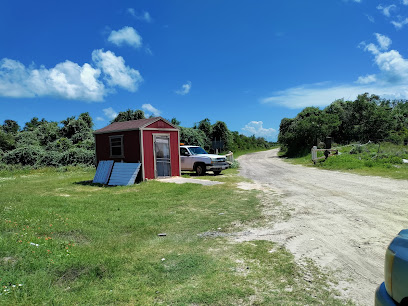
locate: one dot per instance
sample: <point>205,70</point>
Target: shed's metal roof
<point>130,125</point>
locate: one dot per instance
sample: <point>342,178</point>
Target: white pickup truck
<point>195,158</point>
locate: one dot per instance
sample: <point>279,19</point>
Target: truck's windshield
<point>197,150</point>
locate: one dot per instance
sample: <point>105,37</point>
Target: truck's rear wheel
<point>200,169</point>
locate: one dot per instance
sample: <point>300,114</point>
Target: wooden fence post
<point>314,153</point>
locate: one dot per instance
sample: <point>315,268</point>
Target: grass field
<point>66,241</point>
<point>384,159</point>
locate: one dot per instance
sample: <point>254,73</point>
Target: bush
<point>26,155</point>
<point>78,156</point>
<point>50,158</point>
<point>357,149</point>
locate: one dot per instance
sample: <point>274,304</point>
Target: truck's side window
<point>183,152</point>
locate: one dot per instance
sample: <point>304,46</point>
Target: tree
<point>7,141</point>
<point>175,121</point>
<point>205,126</point>
<point>220,132</point>
<point>32,124</point>
<point>77,130</point>
<point>303,132</point>
<point>192,136</point>
<point>10,127</point>
<point>129,115</point>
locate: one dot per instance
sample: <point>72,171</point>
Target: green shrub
<point>77,156</point>
<point>234,165</point>
<point>25,155</point>
<point>50,158</point>
<point>357,149</point>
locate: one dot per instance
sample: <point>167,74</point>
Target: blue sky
<point>248,63</point>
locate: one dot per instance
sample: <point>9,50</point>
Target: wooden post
<point>314,153</point>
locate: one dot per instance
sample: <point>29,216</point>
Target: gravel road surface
<point>342,221</point>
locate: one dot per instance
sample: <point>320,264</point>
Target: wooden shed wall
<point>131,147</point>
<point>148,154</point>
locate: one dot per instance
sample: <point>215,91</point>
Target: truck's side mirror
<point>186,153</point>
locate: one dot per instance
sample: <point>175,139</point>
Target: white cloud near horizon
<point>144,16</point>
<point>110,113</point>
<point>68,80</point>
<point>391,82</point>
<point>126,36</point>
<point>150,108</point>
<point>185,89</point>
<point>256,128</point>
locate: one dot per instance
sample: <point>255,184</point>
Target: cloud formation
<point>126,36</point>
<point>116,73</point>
<point>185,89</point>
<point>391,82</point>
<point>400,24</point>
<point>386,10</point>
<point>393,67</point>
<point>68,80</point>
<point>110,113</point>
<point>151,109</point>
<point>383,41</point>
<point>256,128</point>
<point>144,16</point>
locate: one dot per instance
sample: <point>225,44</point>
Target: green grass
<point>100,245</point>
<point>383,159</point>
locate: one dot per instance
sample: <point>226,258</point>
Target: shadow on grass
<point>90,183</point>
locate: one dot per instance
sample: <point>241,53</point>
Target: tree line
<point>368,118</point>
<point>71,142</point>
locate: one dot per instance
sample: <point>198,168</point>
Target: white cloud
<point>99,119</point>
<point>399,24</point>
<point>68,80</point>
<point>371,18</point>
<point>110,113</point>
<point>386,10</point>
<point>126,36</point>
<point>393,67</point>
<point>116,73</point>
<point>371,78</point>
<point>256,128</point>
<point>144,16</point>
<point>185,89</point>
<point>383,41</point>
<point>323,94</point>
<point>405,2</point>
<point>151,109</point>
<point>391,82</point>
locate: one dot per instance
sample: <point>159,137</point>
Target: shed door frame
<point>156,135</point>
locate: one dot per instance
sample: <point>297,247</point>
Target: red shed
<point>154,142</point>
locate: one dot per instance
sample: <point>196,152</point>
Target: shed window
<point>116,146</point>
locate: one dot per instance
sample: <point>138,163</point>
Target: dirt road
<point>342,221</point>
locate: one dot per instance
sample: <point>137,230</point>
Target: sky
<point>247,63</point>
